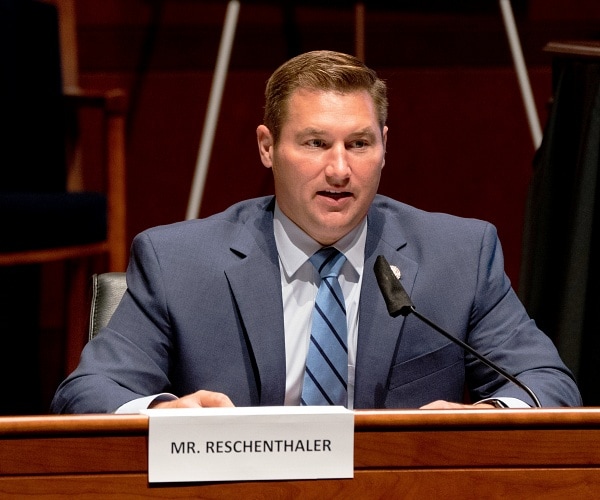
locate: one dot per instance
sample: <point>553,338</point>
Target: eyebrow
<point>311,131</point>
<point>367,131</point>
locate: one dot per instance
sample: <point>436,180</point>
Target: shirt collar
<point>295,247</point>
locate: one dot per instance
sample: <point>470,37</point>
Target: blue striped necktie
<point>326,374</point>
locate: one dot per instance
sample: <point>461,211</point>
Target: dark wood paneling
<point>459,140</point>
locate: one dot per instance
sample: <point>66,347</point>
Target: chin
<point>328,231</point>
<point>329,237</point>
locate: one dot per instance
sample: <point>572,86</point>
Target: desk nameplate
<point>247,444</point>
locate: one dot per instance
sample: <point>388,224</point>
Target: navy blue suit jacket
<point>204,310</point>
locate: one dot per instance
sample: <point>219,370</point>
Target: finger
<point>185,402</point>
<point>212,399</point>
<point>442,405</point>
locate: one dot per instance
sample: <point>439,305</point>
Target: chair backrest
<point>107,291</point>
<point>32,144</point>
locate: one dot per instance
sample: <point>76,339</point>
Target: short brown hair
<point>320,70</point>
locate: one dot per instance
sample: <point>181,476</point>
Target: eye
<point>315,143</point>
<point>359,144</point>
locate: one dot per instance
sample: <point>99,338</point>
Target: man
<point>218,311</point>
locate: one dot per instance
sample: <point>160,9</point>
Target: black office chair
<point>107,291</point>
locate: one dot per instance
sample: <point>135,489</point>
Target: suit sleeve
<point>501,329</point>
<point>129,358</point>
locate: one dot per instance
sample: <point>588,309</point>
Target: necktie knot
<point>328,262</point>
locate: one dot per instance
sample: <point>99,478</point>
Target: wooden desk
<point>398,454</point>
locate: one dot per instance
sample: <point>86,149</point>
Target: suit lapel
<point>256,286</point>
<point>378,332</point>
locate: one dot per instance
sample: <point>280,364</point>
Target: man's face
<point>327,163</point>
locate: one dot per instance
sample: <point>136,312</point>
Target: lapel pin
<point>396,272</point>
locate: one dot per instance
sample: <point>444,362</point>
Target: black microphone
<point>398,303</point>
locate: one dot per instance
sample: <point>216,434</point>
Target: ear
<point>384,140</point>
<point>265,145</point>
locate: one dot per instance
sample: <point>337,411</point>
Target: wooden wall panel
<point>459,140</point>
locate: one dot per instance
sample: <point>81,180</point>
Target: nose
<point>338,168</point>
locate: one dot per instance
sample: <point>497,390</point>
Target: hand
<point>199,399</point>
<point>447,405</point>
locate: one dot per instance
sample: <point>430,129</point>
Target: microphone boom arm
<point>481,358</point>
<point>398,303</point>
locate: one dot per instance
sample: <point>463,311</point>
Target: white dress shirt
<point>299,285</point>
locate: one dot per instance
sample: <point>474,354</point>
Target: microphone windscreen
<point>395,297</point>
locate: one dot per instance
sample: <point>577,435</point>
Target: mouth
<point>334,195</point>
